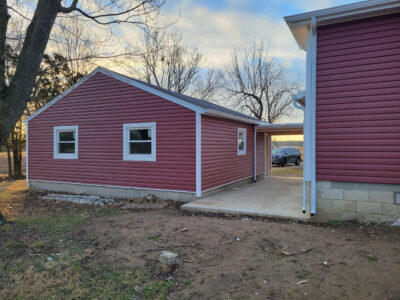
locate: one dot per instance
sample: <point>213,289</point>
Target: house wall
<point>220,162</point>
<point>357,101</point>
<point>100,107</point>
<point>260,153</point>
<point>357,120</point>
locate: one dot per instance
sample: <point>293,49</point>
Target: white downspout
<point>313,114</point>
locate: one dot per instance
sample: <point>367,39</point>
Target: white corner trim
<point>56,154</point>
<point>139,157</point>
<point>198,154</point>
<point>243,151</point>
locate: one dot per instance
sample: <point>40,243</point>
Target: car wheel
<point>298,160</point>
<point>283,163</point>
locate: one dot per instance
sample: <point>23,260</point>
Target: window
<point>140,141</point>
<point>241,141</point>
<point>66,142</point>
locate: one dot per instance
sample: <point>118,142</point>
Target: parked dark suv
<point>282,156</point>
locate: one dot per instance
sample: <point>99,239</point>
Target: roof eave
<point>216,113</point>
<point>298,23</point>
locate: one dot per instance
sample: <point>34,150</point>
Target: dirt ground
<point>221,256</point>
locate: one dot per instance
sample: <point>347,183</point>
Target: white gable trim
<point>125,80</point>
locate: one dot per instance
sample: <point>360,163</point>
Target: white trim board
<point>126,142</point>
<point>198,154</point>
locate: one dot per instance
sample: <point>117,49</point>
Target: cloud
<point>217,33</point>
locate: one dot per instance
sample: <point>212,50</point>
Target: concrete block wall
<point>363,202</point>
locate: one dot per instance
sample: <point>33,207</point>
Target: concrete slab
<point>279,197</point>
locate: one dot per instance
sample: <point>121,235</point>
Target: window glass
<point>241,141</point>
<point>66,136</point>
<point>66,147</point>
<point>140,148</point>
<point>140,134</point>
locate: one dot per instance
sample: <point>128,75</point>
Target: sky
<point>217,27</point>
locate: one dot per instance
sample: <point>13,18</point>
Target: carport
<point>271,196</point>
<point>276,129</point>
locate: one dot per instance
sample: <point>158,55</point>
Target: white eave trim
<point>339,14</point>
<point>216,113</point>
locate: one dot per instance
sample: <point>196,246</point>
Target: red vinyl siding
<point>358,101</point>
<point>100,107</point>
<point>220,162</point>
<point>260,153</point>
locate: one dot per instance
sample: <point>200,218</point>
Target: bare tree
<point>259,84</point>
<point>15,93</point>
<point>166,62</point>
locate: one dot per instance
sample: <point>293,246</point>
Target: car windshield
<point>277,150</point>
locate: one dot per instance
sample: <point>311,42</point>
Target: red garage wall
<point>260,153</point>
<point>100,107</point>
<point>220,162</point>
<point>358,101</point>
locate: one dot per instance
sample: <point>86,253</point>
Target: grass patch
<point>57,223</point>
<point>334,223</point>
<point>303,274</point>
<point>42,259</point>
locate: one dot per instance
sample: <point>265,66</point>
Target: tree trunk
<point>14,98</point>
<point>9,161</point>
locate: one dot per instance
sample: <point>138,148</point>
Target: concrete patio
<point>279,197</point>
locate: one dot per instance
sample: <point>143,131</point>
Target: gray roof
<point>197,102</point>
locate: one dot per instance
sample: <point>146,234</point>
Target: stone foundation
<point>364,202</point>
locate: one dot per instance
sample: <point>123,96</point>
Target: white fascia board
<point>216,113</point>
<point>298,23</point>
<point>281,126</point>
<point>125,80</point>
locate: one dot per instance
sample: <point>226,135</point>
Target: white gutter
<point>297,97</point>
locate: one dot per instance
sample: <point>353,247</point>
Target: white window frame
<point>58,155</point>
<point>139,157</point>
<point>243,151</point>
